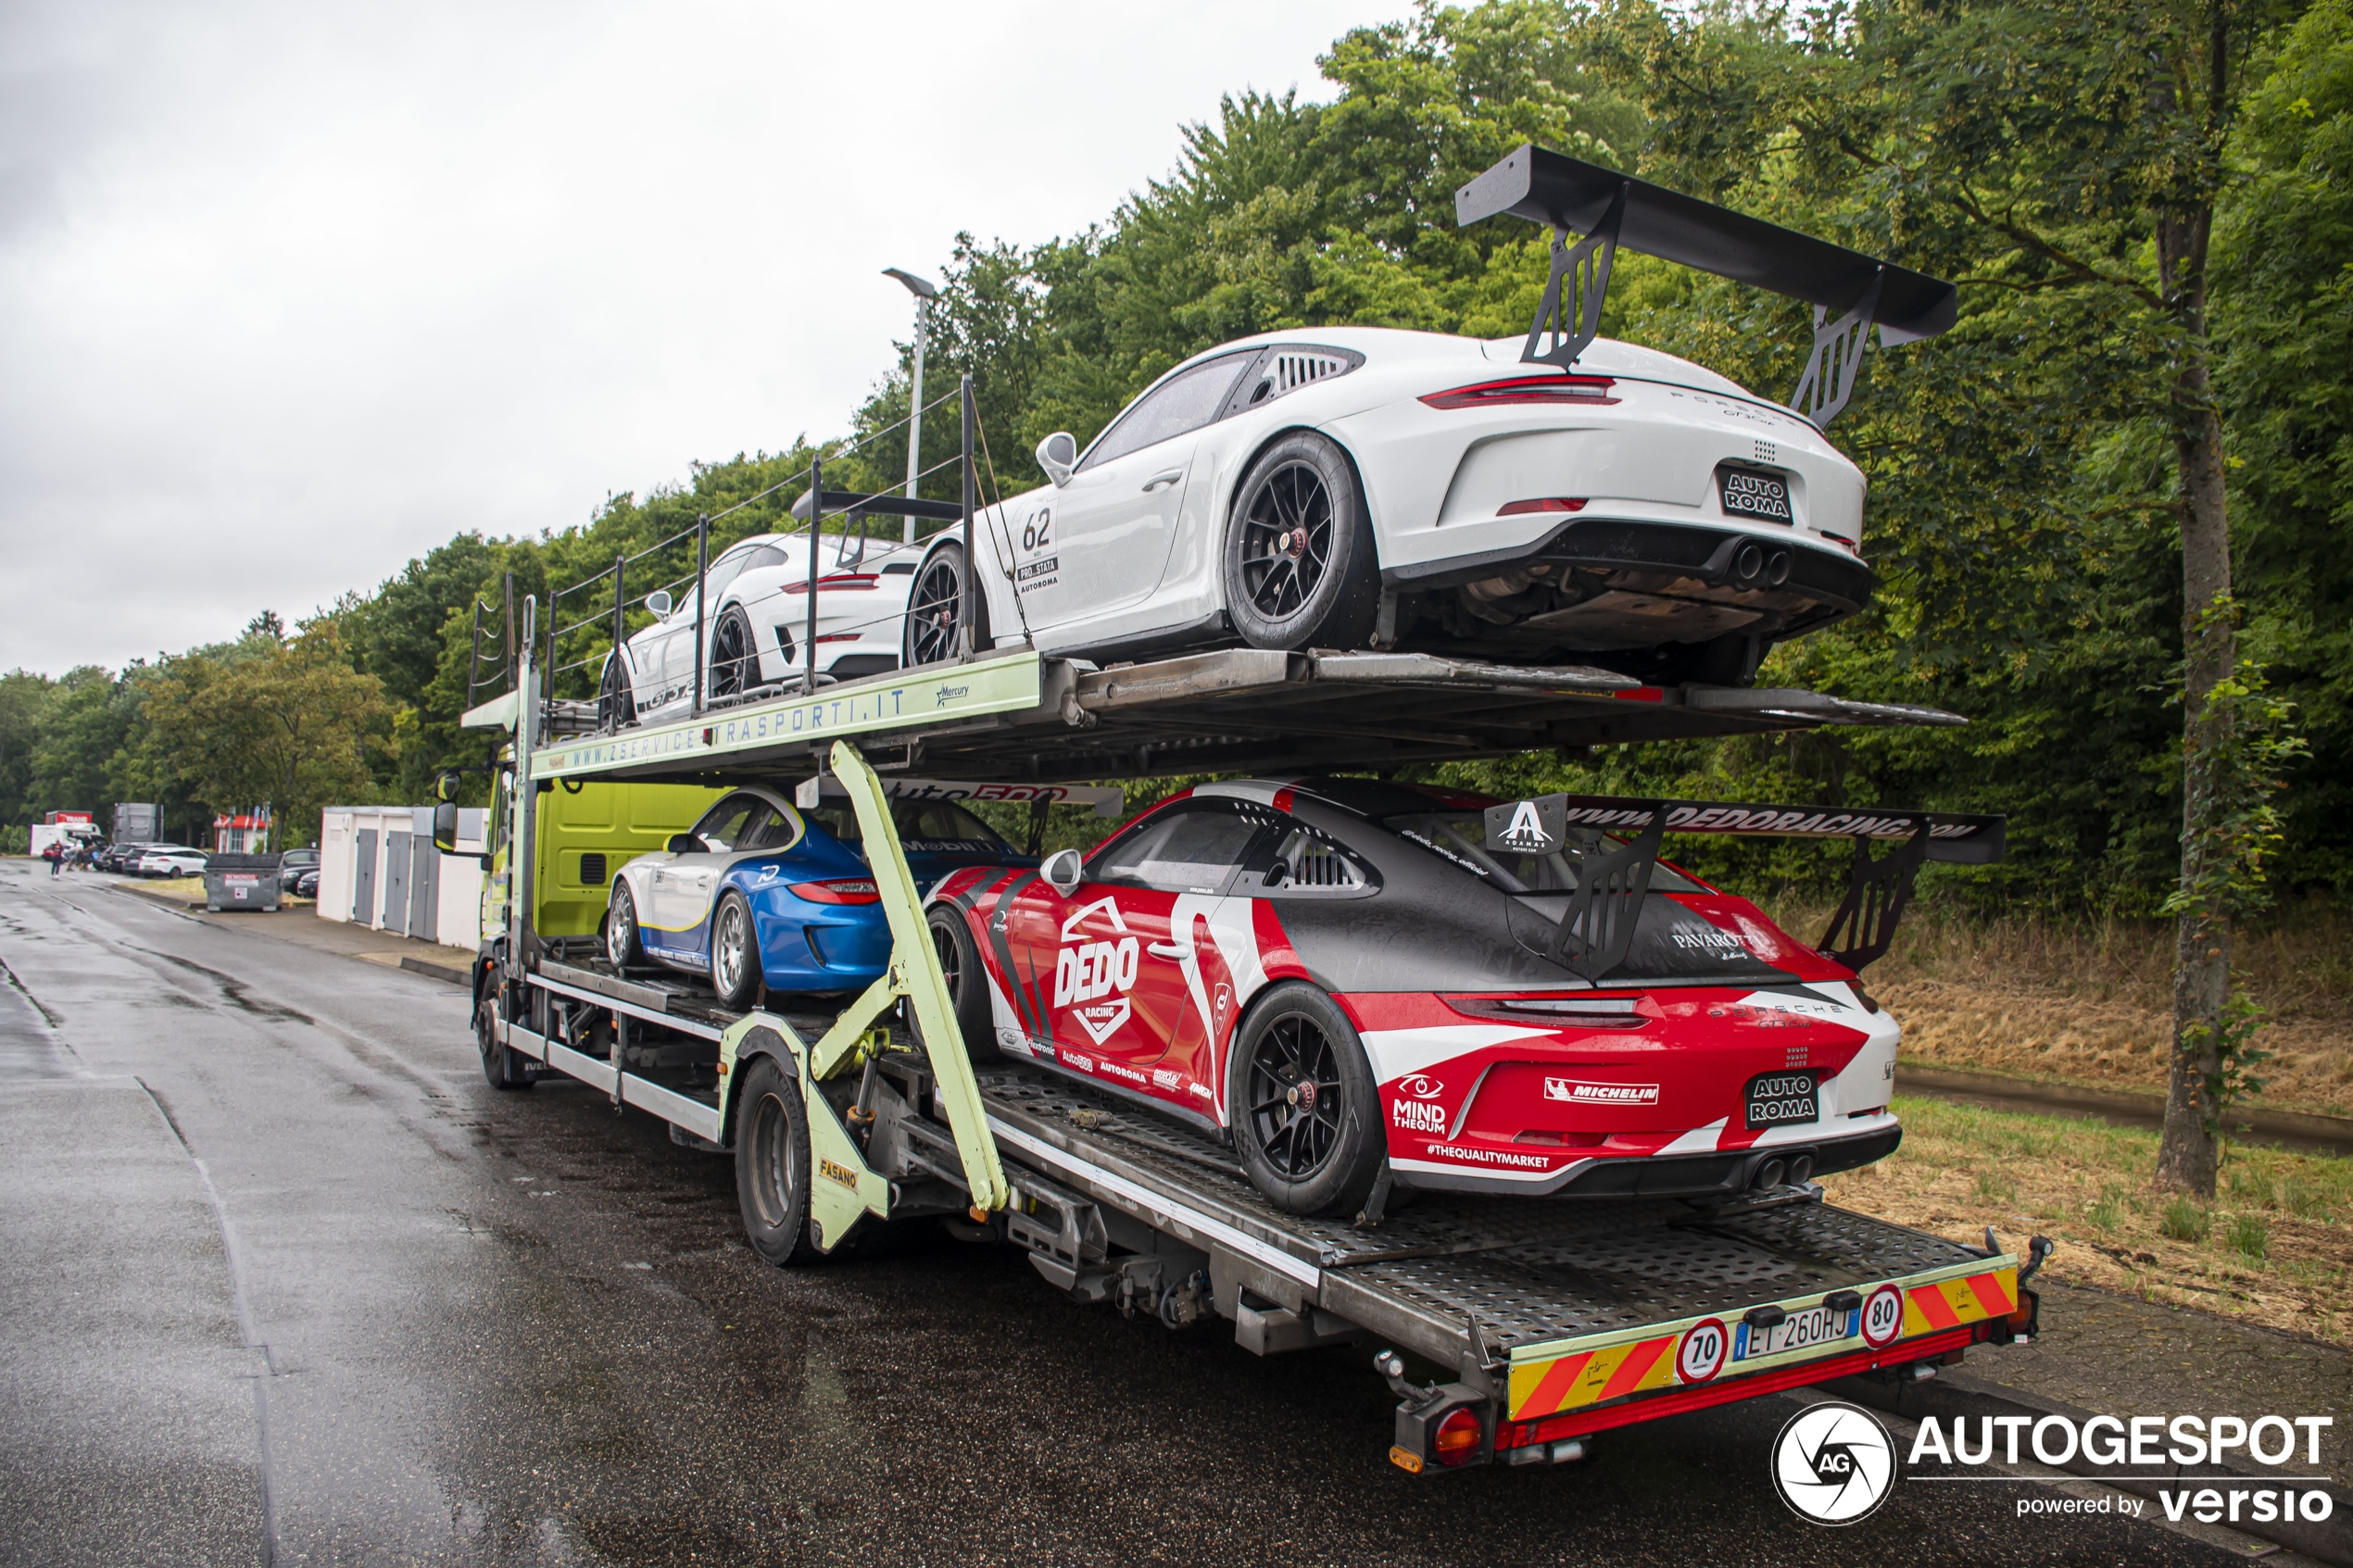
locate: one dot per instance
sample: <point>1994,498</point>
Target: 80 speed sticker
<point>1700,1356</point>
<point>1883,1316</point>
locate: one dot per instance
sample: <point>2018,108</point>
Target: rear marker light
<point>1547,504</point>
<point>1456,1440</point>
<point>836,892</point>
<point>1525,389</point>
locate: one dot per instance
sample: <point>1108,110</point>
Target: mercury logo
<point>1833,1463</point>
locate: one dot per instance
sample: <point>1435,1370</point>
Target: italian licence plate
<point>1747,494</point>
<point>1816,1325</point>
<point>1776,1099</point>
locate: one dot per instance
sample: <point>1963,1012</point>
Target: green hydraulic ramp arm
<point>915,975</point>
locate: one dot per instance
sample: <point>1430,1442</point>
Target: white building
<point>378,868</point>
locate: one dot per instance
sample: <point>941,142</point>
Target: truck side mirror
<point>444,827</point>
<point>1058,455</point>
<point>1061,871</point>
<point>445,788</point>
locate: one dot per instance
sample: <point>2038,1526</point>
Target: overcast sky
<point>290,293</point>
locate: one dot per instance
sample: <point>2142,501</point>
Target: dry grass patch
<point>2091,1002</point>
<point>2275,1248</point>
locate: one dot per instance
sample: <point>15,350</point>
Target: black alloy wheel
<point>735,952</point>
<point>960,964</point>
<point>1300,567</point>
<point>936,608</point>
<point>772,1164</point>
<point>615,704</point>
<point>734,658</point>
<point>1305,1118</point>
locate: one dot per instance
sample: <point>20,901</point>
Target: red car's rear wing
<point>1848,290</point>
<point>1597,929</point>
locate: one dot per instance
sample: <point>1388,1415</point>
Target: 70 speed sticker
<point>1700,1356</point>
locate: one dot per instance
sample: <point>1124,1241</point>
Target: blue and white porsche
<point>761,891</point>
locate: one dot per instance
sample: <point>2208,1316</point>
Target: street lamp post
<point>922,290</point>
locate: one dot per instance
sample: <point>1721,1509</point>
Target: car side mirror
<point>1061,872</point>
<point>684,844</point>
<point>444,827</point>
<point>659,602</point>
<point>1058,455</point>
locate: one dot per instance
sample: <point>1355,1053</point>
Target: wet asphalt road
<point>287,1282</point>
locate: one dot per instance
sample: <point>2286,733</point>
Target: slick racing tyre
<point>622,948</point>
<point>1300,569</point>
<point>735,952</point>
<point>1307,1112</point>
<point>734,658</point>
<point>935,610</point>
<point>772,1164</point>
<point>951,938</point>
<point>502,1066</point>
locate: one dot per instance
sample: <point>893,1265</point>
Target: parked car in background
<point>292,860</point>
<point>171,859</point>
<point>304,882</point>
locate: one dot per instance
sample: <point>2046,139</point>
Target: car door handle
<point>1156,481</point>
<point>1170,950</point>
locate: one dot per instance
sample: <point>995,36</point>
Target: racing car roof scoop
<point>1849,291</point>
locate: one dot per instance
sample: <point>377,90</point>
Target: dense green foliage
<point>2023,501</point>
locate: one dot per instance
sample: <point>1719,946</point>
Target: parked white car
<point>759,622</point>
<point>171,859</point>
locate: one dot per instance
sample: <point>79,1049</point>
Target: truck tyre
<point>735,952</point>
<point>502,1065</point>
<point>1301,569</point>
<point>1307,1112</point>
<point>621,946</point>
<point>936,608</point>
<point>951,938</point>
<point>772,1164</point>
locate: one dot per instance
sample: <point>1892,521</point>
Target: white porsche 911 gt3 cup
<point>756,633</point>
<point>1564,499</point>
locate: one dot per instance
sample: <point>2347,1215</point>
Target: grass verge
<point>2275,1248</point>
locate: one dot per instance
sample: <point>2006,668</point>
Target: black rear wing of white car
<point>1597,929</point>
<point>1850,292</point>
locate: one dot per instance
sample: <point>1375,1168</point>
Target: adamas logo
<point>1833,1464</point>
<point>1085,971</point>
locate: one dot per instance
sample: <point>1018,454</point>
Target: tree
<point>287,725</point>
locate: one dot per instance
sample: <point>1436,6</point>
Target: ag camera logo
<point>1833,1464</point>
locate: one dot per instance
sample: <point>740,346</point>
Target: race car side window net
<point>1598,926</point>
<point>1850,292</point>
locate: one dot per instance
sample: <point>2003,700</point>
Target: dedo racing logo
<point>1086,971</point>
<point>1833,1464</point>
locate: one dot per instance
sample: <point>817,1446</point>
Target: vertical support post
<point>915,411</point>
<point>511,632</point>
<point>522,863</point>
<point>619,562</point>
<point>473,665</point>
<point>702,570</point>
<point>547,663</point>
<point>816,531</point>
<point>966,645</point>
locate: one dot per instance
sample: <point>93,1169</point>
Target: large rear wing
<point>1597,929</point>
<point>1850,292</point>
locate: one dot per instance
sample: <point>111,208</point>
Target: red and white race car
<point>1365,984</point>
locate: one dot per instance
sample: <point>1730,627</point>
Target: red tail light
<point>1456,1440</point>
<point>861,891</point>
<point>1548,504</point>
<point>839,637</point>
<point>1525,389</point>
<point>849,579</point>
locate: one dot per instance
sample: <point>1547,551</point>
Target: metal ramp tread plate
<point>1485,1273</point>
<point>675,997</point>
